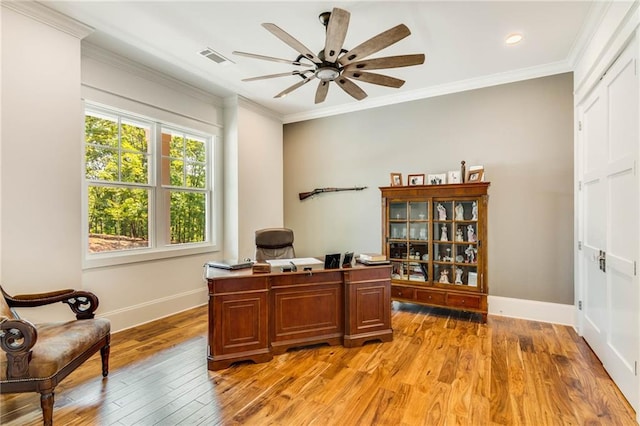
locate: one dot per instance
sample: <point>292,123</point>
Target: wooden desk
<point>254,316</point>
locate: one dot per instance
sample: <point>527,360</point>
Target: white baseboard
<point>532,310</point>
<point>131,316</point>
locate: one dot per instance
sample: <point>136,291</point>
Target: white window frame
<point>159,224</point>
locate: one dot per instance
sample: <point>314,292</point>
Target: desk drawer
<point>288,279</point>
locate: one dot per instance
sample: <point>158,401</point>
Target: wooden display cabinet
<point>436,239</point>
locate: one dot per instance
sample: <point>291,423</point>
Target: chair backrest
<point>274,243</point>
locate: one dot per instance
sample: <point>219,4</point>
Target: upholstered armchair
<point>36,357</point>
<point>274,243</point>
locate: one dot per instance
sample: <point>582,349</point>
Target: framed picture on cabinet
<point>454,176</point>
<point>437,179</point>
<point>396,179</point>
<point>415,180</point>
<point>475,175</point>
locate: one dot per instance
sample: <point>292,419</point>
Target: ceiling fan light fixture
<point>327,73</point>
<point>335,63</point>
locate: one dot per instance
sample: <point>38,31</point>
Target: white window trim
<point>214,221</point>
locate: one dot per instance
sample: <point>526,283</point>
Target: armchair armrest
<point>17,337</point>
<point>82,303</point>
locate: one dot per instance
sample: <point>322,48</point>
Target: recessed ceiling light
<point>514,38</point>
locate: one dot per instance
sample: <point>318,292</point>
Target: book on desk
<point>373,259</point>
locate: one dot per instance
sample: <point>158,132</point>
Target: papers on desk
<point>301,263</point>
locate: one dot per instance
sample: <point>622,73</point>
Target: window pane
<point>196,175</point>
<point>188,217</point>
<point>118,218</point>
<point>195,150</point>
<point>135,168</point>
<point>101,163</point>
<point>101,131</point>
<point>135,137</point>
<point>177,173</point>
<point>177,147</point>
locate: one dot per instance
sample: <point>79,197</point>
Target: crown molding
<point>108,57</point>
<point>41,13</point>
<point>430,92</point>
<point>596,14</point>
<point>610,50</point>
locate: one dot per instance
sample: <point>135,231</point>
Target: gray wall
<point>522,133</point>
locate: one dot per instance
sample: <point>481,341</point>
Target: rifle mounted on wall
<point>305,195</point>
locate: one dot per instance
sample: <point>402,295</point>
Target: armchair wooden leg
<point>46,402</point>
<point>104,354</point>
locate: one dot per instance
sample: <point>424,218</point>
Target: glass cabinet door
<point>397,239</point>
<point>408,240</point>
<point>455,243</point>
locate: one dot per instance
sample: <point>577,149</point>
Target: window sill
<point>92,261</point>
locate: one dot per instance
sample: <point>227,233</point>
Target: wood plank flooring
<point>442,368</point>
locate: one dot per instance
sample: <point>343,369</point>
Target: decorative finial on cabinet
<point>463,171</point>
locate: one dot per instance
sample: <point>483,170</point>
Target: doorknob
<point>602,260</point>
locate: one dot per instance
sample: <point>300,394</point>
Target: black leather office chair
<point>274,243</point>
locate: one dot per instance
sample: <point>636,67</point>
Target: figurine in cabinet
<point>444,277</point>
<point>471,234</point>
<point>459,236</point>
<point>459,272</point>
<point>471,254</point>
<point>459,212</point>
<point>443,233</point>
<point>474,211</point>
<point>442,212</point>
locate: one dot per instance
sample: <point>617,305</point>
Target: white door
<point>608,222</point>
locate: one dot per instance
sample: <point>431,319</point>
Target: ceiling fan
<point>337,64</point>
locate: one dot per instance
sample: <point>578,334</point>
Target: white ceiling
<point>463,42</point>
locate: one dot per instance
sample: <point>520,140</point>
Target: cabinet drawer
<point>463,301</point>
<point>430,297</point>
<point>403,292</point>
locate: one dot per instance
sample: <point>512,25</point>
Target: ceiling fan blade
<point>369,77</point>
<point>387,62</point>
<point>336,33</point>
<point>292,42</point>
<point>376,43</point>
<point>270,58</point>
<point>351,88</point>
<point>321,92</point>
<point>299,84</point>
<point>282,74</point>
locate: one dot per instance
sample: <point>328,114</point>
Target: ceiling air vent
<point>215,56</point>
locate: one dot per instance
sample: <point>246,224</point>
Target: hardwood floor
<point>442,368</point>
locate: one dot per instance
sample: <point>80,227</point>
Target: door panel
<point>622,233</point>
<point>623,239</point>
<point>594,214</point>
<point>608,222</point>
<point>593,218</point>
<point>594,129</point>
<point>595,301</point>
<point>622,136</point>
